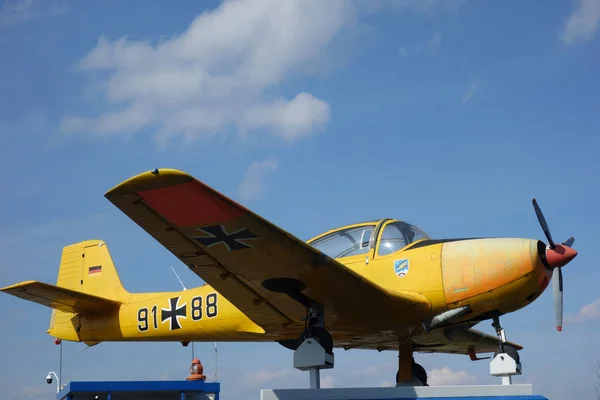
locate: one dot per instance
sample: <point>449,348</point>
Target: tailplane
<point>87,283</point>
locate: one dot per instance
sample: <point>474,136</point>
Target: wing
<point>454,340</point>
<point>59,298</point>
<point>267,273</point>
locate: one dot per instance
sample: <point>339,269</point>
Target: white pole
<point>57,380</point>
<point>315,378</point>
<point>60,364</point>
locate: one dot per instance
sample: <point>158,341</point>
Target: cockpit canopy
<point>386,236</point>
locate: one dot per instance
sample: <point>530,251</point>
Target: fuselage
<point>491,276</point>
<point>197,314</point>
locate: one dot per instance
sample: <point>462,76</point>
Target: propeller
<point>557,256</point>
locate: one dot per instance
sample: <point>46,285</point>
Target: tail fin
<point>87,267</point>
<point>87,283</point>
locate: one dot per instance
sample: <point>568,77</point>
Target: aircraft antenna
<point>177,277</point>
<point>216,363</point>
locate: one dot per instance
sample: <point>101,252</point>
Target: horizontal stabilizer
<point>59,298</point>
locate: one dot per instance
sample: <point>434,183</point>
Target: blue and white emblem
<point>401,267</point>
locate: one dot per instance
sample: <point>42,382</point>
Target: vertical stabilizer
<point>85,267</point>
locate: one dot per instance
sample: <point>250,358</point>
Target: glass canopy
<point>358,239</point>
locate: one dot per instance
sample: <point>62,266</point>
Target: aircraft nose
<point>479,266</point>
<point>559,256</point>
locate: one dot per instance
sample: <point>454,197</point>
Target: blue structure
<point>155,390</point>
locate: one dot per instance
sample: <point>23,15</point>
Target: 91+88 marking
<point>175,311</point>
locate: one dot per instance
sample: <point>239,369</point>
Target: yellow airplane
<point>383,285</point>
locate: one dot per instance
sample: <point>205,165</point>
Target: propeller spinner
<point>557,256</point>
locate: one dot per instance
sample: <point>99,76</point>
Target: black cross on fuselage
<point>230,240</point>
<point>173,313</point>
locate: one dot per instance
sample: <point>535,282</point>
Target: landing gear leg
<point>409,372</point>
<point>500,333</point>
<point>506,361</point>
<point>316,349</point>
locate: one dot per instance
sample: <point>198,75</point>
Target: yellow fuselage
<point>489,275</point>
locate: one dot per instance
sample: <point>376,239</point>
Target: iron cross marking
<point>173,313</point>
<point>218,235</point>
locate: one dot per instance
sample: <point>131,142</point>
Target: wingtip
<point>559,328</point>
<point>148,179</point>
<point>17,285</point>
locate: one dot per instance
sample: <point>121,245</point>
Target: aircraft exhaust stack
<point>445,317</point>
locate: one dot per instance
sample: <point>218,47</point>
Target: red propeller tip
<point>560,255</point>
<point>559,328</point>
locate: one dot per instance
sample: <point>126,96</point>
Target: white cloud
<point>253,183</point>
<point>471,91</point>
<point>588,312</point>
<point>223,73</point>
<point>217,73</point>
<point>436,40</point>
<point>14,12</point>
<point>267,375</point>
<point>377,370</point>
<point>446,376</point>
<point>292,119</point>
<point>583,22</point>
<point>420,6</point>
<point>432,44</point>
<point>327,381</point>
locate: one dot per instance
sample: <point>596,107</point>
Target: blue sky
<point>449,114</point>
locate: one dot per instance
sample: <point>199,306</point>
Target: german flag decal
<point>95,271</point>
